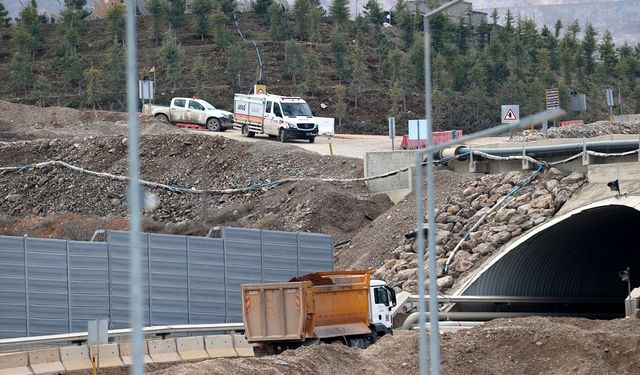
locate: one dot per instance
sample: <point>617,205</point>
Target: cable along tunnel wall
<point>55,286</point>
<point>576,256</point>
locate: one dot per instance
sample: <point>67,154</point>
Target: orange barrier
<point>437,137</point>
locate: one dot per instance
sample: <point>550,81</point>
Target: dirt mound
<point>196,161</point>
<point>533,345</point>
<point>24,122</point>
<point>314,278</point>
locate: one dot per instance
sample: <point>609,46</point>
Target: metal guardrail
<point>516,299</point>
<point>155,330</point>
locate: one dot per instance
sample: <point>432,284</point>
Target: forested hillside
<point>355,70</point>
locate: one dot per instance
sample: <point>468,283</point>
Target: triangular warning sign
<point>510,115</point>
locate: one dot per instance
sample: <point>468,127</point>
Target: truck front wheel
<point>312,139</point>
<point>282,135</point>
<point>246,132</point>
<point>162,117</point>
<point>213,124</point>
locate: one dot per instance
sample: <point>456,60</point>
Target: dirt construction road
<point>351,145</point>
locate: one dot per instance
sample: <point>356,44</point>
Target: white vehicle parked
<point>284,117</point>
<point>192,111</point>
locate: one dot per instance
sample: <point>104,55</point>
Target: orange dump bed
<point>296,311</point>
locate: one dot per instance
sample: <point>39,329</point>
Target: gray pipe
<point>550,150</point>
<point>485,316</point>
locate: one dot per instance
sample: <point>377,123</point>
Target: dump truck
<point>284,117</point>
<point>340,306</point>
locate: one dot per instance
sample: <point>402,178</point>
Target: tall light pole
<point>419,184</point>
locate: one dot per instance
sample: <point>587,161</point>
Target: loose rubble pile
<point>202,162</point>
<point>591,130</point>
<point>531,206</point>
<point>23,122</point>
<point>545,346</point>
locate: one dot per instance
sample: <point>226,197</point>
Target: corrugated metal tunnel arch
<point>577,255</point>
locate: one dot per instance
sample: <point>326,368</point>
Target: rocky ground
<point>591,130</point>
<point>541,346</point>
<point>532,205</point>
<point>190,161</point>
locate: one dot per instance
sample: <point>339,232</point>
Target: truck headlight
<point>291,126</point>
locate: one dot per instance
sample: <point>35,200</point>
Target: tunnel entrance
<point>569,266</point>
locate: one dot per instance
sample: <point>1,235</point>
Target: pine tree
<point>5,21</point>
<point>358,71</point>
<point>311,66</point>
<point>227,7</point>
<point>315,18</point>
<point>235,60</point>
<point>292,63</point>
<point>416,57</point>
<point>339,50</point>
<point>20,72</point>
<point>71,17</point>
<point>201,9</point>
<point>115,67</point>
<point>261,7</point>
<point>175,13</point>
<point>301,9</point>
<point>115,20</point>
<point>158,10</point>
<point>278,25</point>
<point>70,65</point>
<point>220,35</point>
<point>41,90</point>
<point>199,74</point>
<point>339,11</point>
<point>395,96</point>
<point>172,58</point>
<point>607,54</point>
<point>557,28</point>
<point>373,13</point>
<point>92,77</point>
<point>589,48</point>
<point>28,35</point>
<point>341,105</point>
<point>406,22</point>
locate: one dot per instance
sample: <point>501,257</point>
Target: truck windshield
<point>206,105</point>
<point>296,109</point>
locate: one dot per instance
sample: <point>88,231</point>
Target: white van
<point>285,117</point>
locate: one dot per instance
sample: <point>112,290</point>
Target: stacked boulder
<point>523,210</point>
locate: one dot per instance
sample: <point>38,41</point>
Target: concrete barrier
<point>191,348</point>
<point>219,346</point>
<point>109,355</point>
<point>45,361</point>
<point>15,364</point>
<point>75,358</point>
<point>163,350</point>
<point>126,353</point>
<point>242,347</point>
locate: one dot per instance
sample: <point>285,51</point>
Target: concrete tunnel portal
<point>571,264</point>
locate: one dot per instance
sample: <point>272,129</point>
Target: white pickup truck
<point>192,111</point>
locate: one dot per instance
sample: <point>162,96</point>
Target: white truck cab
<point>382,299</point>
<point>285,117</point>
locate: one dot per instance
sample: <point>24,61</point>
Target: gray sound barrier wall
<point>56,286</point>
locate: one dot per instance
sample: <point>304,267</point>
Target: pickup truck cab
<point>285,117</point>
<point>193,111</point>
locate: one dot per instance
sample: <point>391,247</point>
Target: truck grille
<point>306,126</point>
